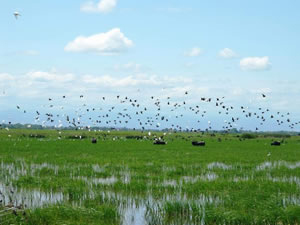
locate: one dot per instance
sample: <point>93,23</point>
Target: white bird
<point>17,14</point>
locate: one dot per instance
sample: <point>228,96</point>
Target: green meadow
<point>51,177</point>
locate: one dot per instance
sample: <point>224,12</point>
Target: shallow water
<point>277,164</point>
<point>29,198</point>
<point>219,165</point>
<point>204,177</point>
<point>133,210</point>
<point>96,181</point>
<point>291,180</point>
<point>139,210</point>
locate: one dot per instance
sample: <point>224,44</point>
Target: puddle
<point>97,168</point>
<point>96,181</point>
<point>20,168</point>
<point>126,177</point>
<point>277,164</point>
<point>134,215</point>
<point>150,211</point>
<point>109,180</point>
<point>204,177</point>
<point>190,179</point>
<point>218,165</point>
<point>29,198</point>
<point>241,179</point>
<point>291,180</point>
<point>172,183</point>
<point>291,200</point>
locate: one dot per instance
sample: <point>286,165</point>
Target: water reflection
<point>29,198</point>
<point>277,164</point>
<point>134,209</point>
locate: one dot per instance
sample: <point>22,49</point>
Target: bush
<point>36,136</point>
<point>248,136</point>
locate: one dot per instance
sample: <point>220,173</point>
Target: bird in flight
<point>17,14</point>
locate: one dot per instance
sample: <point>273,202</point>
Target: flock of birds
<point>170,113</point>
<point>152,114</point>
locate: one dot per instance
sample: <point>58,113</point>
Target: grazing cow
<point>276,143</point>
<point>94,141</point>
<point>198,143</point>
<point>159,142</point>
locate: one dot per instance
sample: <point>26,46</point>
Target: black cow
<point>94,141</point>
<point>198,143</point>
<point>276,143</point>
<point>159,142</point>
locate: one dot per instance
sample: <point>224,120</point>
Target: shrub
<point>249,136</point>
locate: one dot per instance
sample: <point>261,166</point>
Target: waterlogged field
<point>57,178</point>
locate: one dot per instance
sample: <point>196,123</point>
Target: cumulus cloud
<point>255,63</point>
<point>227,53</point>
<point>103,6</point>
<point>109,43</point>
<point>193,52</point>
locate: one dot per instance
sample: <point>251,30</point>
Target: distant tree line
<point>248,134</point>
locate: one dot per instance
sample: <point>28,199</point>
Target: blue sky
<point>236,49</point>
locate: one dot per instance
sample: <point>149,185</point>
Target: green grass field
<point>122,180</point>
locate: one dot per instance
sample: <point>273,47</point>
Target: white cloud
<point>37,85</point>
<point>131,66</point>
<point>40,76</point>
<point>128,81</point>
<point>227,53</point>
<point>265,90</point>
<point>4,77</point>
<point>109,43</point>
<point>255,63</point>
<point>41,84</point>
<point>104,6</point>
<point>193,52</point>
<point>31,52</point>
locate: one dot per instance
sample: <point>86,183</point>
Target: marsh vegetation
<point>125,179</point>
